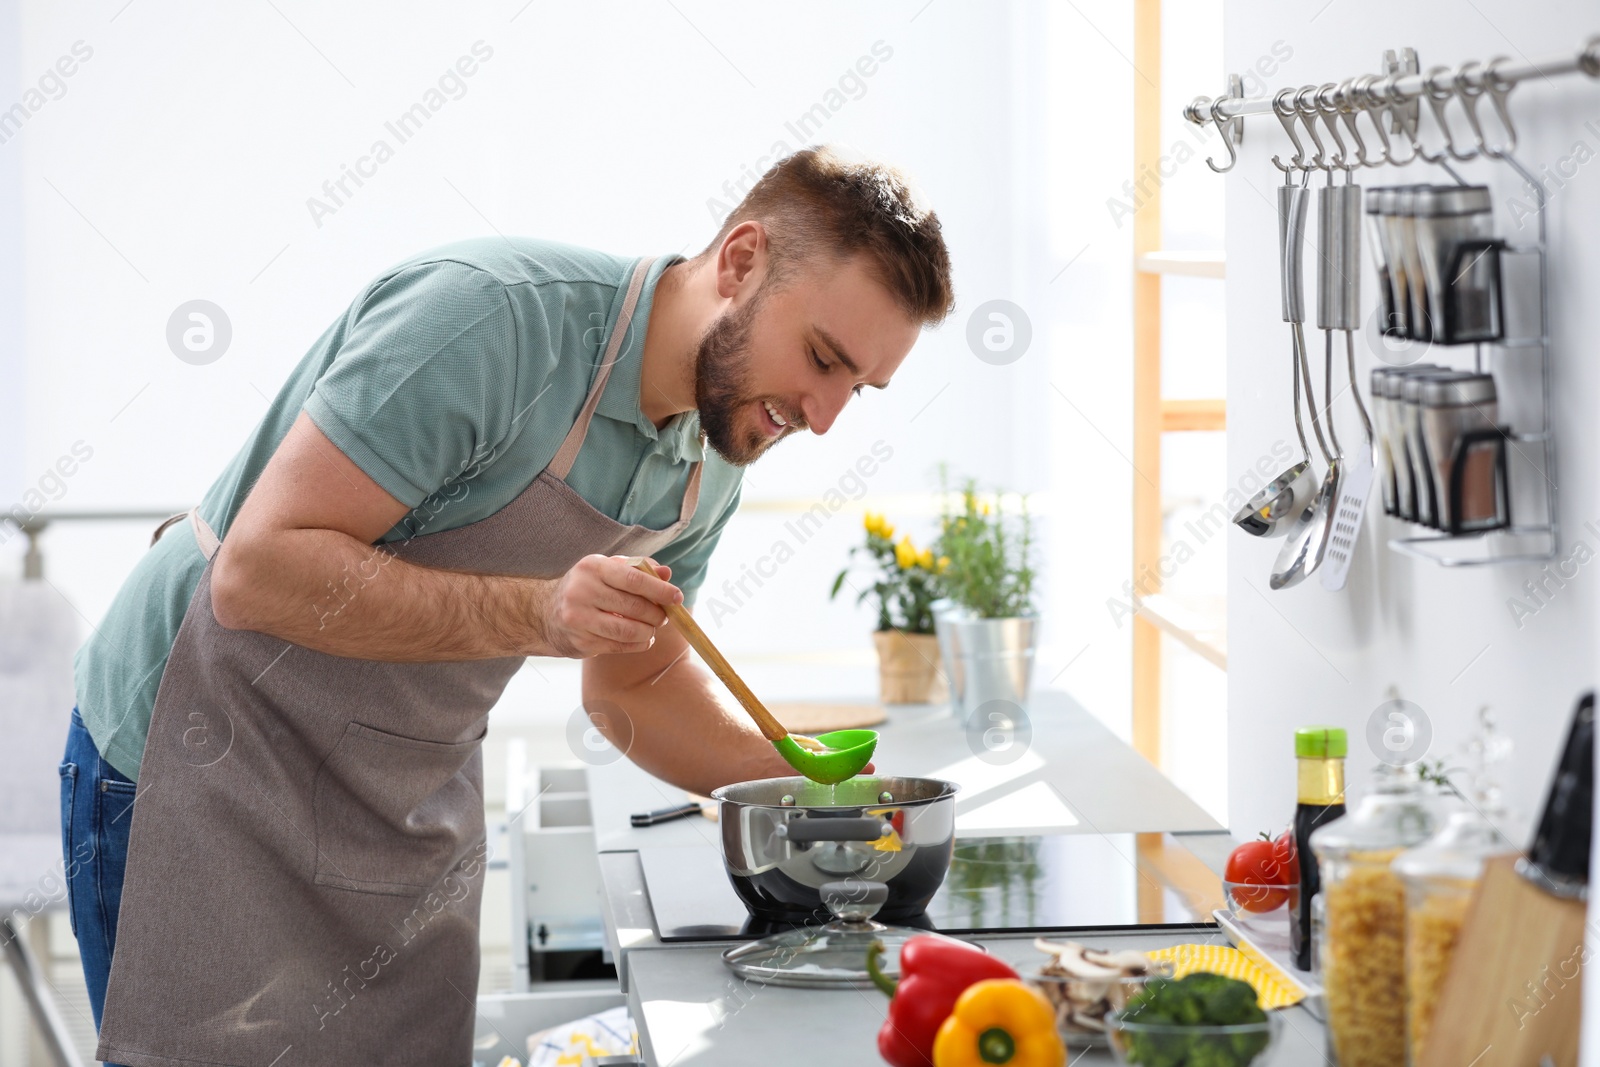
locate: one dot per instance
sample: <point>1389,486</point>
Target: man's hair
<point>815,203</point>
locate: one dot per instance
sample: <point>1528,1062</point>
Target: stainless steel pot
<point>783,839</point>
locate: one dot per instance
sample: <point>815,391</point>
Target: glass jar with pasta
<point>1362,953</point>
<point>1440,876</point>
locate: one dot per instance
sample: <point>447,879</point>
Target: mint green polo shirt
<point>451,381</point>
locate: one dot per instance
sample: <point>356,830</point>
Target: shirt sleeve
<point>689,554</point>
<point>422,388</point>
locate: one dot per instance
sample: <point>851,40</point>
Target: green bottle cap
<point>1321,742</point>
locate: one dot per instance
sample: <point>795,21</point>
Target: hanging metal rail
<point>1392,102</point>
<point>1396,92</point>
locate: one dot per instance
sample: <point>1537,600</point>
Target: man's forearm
<point>327,591</point>
<point>681,725</point>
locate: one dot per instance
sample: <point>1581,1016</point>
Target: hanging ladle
<point>1307,537</point>
<point>1272,510</point>
<point>828,758</point>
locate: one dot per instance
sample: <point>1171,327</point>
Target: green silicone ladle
<point>827,759</point>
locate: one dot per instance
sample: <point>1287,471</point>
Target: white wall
<point>1444,637</point>
<point>179,160</point>
<point>11,355</point>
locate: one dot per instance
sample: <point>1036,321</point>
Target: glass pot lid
<point>832,955</point>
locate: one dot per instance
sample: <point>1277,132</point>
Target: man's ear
<point>742,259</point>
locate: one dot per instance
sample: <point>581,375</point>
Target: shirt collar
<point>680,437</point>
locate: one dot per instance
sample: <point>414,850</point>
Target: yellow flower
<point>925,559</point>
<point>885,531</point>
<point>870,521</point>
<point>905,554</point>
<point>943,565</point>
<point>986,508</point>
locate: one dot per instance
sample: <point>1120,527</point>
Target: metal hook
<point>1439,102</point>
<point>1307,119</point>
<point>1225,129</point>
<point>1347,115</point>
<point>1499,96</point>
<point>1328,112</point>
<point>1286,114</point>
<point>1359,97</point>
<point>1381,92</point>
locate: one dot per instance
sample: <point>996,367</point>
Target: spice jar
<point>1460,261</point>
<point>1458,415</point>
<point>1362,952</point>
<point>1440,876</point>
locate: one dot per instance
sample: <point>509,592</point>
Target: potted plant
<point>904,584</point>
<point>988,632</point>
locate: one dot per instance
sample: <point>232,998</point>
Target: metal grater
<point>1347,516</point>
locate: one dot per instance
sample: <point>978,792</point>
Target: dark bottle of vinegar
<point>1320,752</point>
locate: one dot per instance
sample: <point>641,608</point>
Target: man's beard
<point>722,386</point>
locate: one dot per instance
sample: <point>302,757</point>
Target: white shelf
<point>1199,623</point>
<point>1190,264</point>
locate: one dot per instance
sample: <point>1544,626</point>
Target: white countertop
<point>1072,776</point>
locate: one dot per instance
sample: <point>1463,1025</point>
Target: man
<point>298,675</point>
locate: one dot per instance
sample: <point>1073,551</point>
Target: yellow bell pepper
<point>999,1021</point>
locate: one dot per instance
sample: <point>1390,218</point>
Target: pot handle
<point>864,828</point>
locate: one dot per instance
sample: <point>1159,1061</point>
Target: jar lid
<point>1457,391</point>
<point>1456,852</point>
<point>1321,742</point>
<point>1440,200</point>
<point>1411,384</point>
<point>1395,814</point>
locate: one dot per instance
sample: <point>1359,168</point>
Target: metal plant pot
<point>986,659</point>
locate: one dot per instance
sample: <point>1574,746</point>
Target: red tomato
<point>1253,864</point>
<point>1283,851</point>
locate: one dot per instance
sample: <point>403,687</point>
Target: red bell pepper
<point>934,972</point>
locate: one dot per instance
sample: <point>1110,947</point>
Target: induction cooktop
<point>1053,882</point>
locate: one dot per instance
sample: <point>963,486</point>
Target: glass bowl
<point>1263,909</point>
<point>1081,1004</point>
<point>1171,1045</point>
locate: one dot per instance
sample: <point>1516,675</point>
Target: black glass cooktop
<point>1051,882</point>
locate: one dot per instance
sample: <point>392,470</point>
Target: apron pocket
<point>395,814</point>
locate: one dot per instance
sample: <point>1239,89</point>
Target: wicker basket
<point>908,667</point>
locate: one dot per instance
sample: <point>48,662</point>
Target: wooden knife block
<point>1514,991</point>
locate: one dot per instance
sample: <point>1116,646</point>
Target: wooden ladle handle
<point>771,728</point>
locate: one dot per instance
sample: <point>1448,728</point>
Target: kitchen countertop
<point>692,1011</point>
<point>1073,776</point>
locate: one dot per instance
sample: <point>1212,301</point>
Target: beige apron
<point>308,844</point>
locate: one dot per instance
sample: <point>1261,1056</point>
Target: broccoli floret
<point>1200,998</point>
<point>1229,1002</point>
<point>1247,1047</point>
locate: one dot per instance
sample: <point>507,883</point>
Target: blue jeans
<point>96,812</point>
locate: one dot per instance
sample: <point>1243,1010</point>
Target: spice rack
<point>1391,101</point>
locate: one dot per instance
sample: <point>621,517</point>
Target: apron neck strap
<point>561,465</point>
<point>691,495</point>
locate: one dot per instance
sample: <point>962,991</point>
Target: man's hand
<point>605,605</point>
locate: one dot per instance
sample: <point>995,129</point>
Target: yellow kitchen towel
<point>1272,989</point>
<point>609,1033</point>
